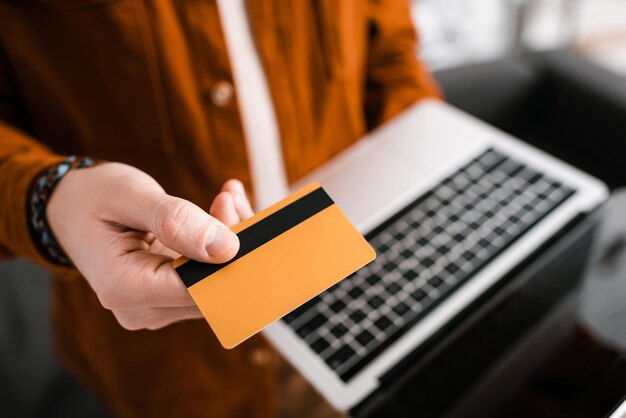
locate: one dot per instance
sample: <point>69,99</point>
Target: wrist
<point>42,188</point>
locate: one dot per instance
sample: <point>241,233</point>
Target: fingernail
<point>220,240</point>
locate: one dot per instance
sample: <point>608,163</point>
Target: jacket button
<point>259,356</point>
<point>222,93</point>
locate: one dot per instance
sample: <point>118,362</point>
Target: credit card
<point>289,253</point>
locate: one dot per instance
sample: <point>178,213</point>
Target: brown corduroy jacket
<point>148,83</point>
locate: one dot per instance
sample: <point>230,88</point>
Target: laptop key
<point>383,323</point>
<point>364,338</point>
<point>340,357</point>
<point>337,306</point>
<point>418,295</point>
<point>393,288</point>
<point>373,279</point>
<point>390,266</point>
<point>427,262</point>
<point>406,254</point>
<point>435,281</point>
<point>339,330</point>
<point>311,325</point>
<point>375,302</point>
<point>357,316</point>
<point>443,250</point>
<point>410,274</point>
<point>355,292</point>
<point>401,308</point>
<point>423,242</point>
<point>468,255</point>
<point>452,268</point>
<point>320,345</point>
<point>535,178</point>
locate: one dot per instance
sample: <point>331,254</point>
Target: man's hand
<point>122,231</point>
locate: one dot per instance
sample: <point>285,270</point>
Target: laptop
<point>620,411</point>
<point>451,205</point>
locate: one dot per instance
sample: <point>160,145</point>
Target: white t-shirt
<point>259,120</point>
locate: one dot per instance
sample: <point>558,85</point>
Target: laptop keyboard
<point>425,252</point>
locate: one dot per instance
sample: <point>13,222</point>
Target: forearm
<point>21,160</point>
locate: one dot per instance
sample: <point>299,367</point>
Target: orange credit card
<point>289,253</point>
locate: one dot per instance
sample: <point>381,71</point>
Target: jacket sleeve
<point>21,159</point>
<point>395,76</point>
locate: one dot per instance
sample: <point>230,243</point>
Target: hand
<point>122,231</point>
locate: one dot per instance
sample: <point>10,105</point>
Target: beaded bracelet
<point>40,191</point>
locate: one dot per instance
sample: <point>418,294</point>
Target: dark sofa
<point>555,100</point>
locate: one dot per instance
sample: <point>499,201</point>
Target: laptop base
<point>466,356</point>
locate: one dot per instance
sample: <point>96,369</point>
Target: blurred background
<point>490,57</point>
<point>457,32</point>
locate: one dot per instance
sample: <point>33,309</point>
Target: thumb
<point>185,228</point>
<point>133,199</point>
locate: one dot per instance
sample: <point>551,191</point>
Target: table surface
<point>586,375</point>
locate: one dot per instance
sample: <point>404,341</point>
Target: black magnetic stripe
<point>260,233</point>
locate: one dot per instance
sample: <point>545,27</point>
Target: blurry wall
<point>457,32</point>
